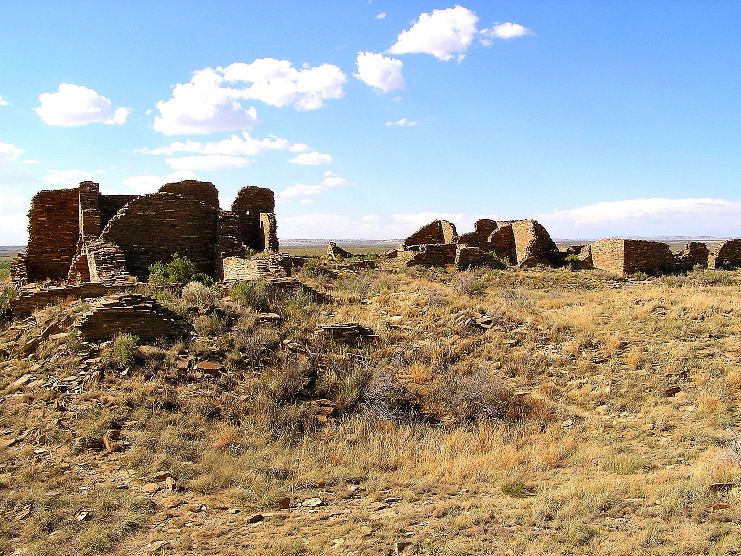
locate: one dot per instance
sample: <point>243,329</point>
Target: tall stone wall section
<point>250,203</point>
<point>694,254</point>
<point>482,229</point>
<point>53,230</point>
<point>728,255</point>
<point>533,244</point>
<point>608,255</point>
<point>154,227</point>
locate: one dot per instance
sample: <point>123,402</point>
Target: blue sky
<point>369,119</point>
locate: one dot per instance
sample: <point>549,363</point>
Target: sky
<point>370,118</point>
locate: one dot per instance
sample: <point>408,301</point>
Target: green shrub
<point>180,270</point>
<point>254,294</point>
<point>7,294</point>
<point>124,348</point>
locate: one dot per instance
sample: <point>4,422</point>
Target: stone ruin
<point>79,235</point>
<point>524,243</point>
<point>81,240</point>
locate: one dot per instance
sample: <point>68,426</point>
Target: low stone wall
<point>29,300</point>
<point>239,269</point>
<point>533,244</point>
<point>467,257</point>
<point>628,256</point>
<point>728,255</point>
<point>135,314</point>
<point>434,255</point>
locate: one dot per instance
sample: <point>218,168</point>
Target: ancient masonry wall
<point>154,227</point>
<point>480,236</point>
<point>607,254</point>
<point>250,203</point>
<point>238,268</point>
<point>502,242</point>
<point>694,254</point>
<point>435,254</point>
<point>628,256</point>
<point>467,256</point>
<point>53,229</point>
<point>439,231</point>
<point>28,300</point>
<point>728,255</point>
<point>533,243</point>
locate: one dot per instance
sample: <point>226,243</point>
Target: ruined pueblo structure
<point>86,244</point>
<point>79,235</point>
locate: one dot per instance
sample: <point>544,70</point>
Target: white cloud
<point>3,101</point>
<point>650,217</point>
<point>141,185</point>
<point>504,31</point>
<point>443,33</point>
<point>278,83</point>
<point>403,122</point>
<point>313,158</point>
<point>234,145</point>
<point>381,15</point>
<point>74,105</point>
<point>30,161</point>
<point>202,106</point>
<point>68,178</point>
<point>333,180</point>
<point>330,180</point>
<point>209,162</point>
<point>9,151</point>
<point>212,100</point>
<point>379,71</point>
<point>14,206</point>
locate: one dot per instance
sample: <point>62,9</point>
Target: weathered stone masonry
<point>78,235</point>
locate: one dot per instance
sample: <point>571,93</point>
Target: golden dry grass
<point>597,416</point>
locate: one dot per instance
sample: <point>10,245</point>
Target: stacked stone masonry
<point>135,314</point>
<point>472,257</point>
<point>78,235</point>
<point>695,254</point>
<point>728,255</point>
<point>439,231</point>
<point>628,256</point>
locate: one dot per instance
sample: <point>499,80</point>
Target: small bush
<point>255,294</point>
<point>197,294</point>
<point>467,283</point>
<point>124,348</point>
<point>7,294</point>
<point>385,398</point>
<point>180,270</point>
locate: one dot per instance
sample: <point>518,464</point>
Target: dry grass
<point>594,417</point>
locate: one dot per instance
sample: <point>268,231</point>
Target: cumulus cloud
<point>234,145</point>
<point>207,162</point>
<point>68,178</point>
<point>313,158</point>
<point>381,15</point>
<point>503,31</point>
<point>203,106</point>
<point>212,100</point>
<point>8,151</point>
<point>650,217</point>
<point>3,101</point>
<point>304,190</point>
<point>403,122</point>
<point>379,71</point>
<point>141,185</point>
<point>446,34</point>
<point>278,83</point>
<point>14,206</point>
<point>74,105</point>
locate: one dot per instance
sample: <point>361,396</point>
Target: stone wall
<point>18,274</point>
<point>439,231</point>
<point>533,244</point>
<point>241,269</point>
<point>694,254</point>
<point>154,227</point>
<point>129,313</point>
<point>483,228</point>
<point>109,205</point>
<point>438,254</point>
<point>53,230</point>
<point>467,256</point>
<point>251,201</point>
<point>502,242</point>
<point>269,231</point>
<point>30,299</point>
<point>107,263</point>
<point>628,256</point>
<point>728,255</point>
